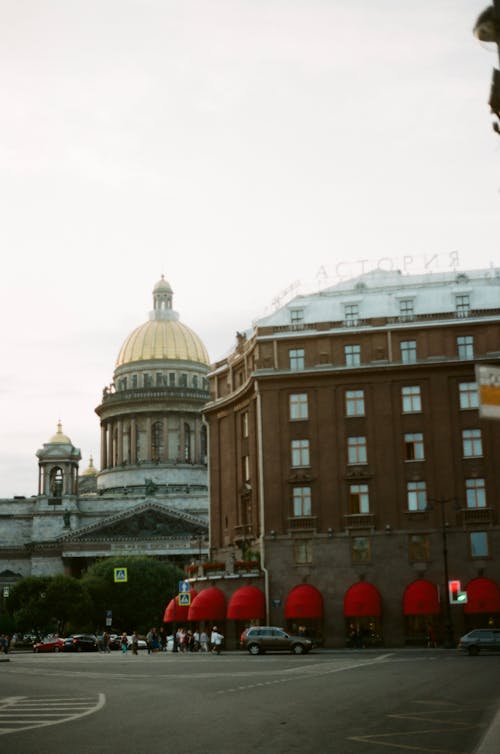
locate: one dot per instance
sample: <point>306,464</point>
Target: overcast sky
<point>241,148</point>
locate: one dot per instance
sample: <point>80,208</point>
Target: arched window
<point>56,482</point>
<point>195,380</point>
<point>157,441</point>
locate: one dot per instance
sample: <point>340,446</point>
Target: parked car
<point>480,639</point>
<point>80,643</point>
<point>49,644</point>
<point>260,639</point>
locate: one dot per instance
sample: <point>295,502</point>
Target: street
<point>344,701</point>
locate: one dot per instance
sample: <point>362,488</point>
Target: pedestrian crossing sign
<point>184,599</point>
<point>120,575</point>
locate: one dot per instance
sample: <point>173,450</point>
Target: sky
<point>249,150</point>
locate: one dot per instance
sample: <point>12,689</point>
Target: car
<point>80,643</point>
<point>260,639</point>
<point>49,644</point>
<point>480,639</point>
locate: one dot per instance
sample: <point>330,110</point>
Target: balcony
<point>359,521</point>
<point>302,523</point>
<point>483,516</point>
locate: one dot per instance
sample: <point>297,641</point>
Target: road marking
<point>18,713</point>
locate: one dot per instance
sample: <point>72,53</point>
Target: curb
<point>491,739</point>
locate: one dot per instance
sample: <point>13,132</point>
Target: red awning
<point>304,601</point>
<point>362,599</point>
<point>175,613</point>
<point>483,596</point>
<point>210,604</point>
<point>247,603</point>
<point>421,598</point>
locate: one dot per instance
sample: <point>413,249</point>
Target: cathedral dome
<point>59,437</point>
<point>163,337</point>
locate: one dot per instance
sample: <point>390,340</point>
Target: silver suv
<point>480,639</point>
<point>260,639</point>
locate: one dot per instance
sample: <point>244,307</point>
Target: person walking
<point>124,643</point>
<point>216,640</point>
<point>135,642</point>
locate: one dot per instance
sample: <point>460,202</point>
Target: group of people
<point>184,640</point>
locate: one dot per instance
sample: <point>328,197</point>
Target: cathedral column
<point>149,440</point>
<point>182,440</point>
<point>104,456</point>
<point>119,449</point>
<point>133,441</point>
<point>110,445</point>
<point>164,455</point>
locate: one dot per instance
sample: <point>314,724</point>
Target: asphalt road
<point>347,702</point>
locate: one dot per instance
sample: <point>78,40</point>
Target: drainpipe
<point>260,471</point>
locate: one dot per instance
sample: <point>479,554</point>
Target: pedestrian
<point>105,641</point>
<point>216,640</point>
<point>135,642</point>
<point>204,641</point>
<point>124,643</point>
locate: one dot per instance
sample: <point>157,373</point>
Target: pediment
<point>148,521</point>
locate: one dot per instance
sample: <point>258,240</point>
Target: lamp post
<point>448,629</point>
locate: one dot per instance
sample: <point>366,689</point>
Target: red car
<point>52,644</point>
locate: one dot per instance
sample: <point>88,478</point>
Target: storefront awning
<point>362,599</point>
<point>483,596</point>
<point>304,601</point>
<point>421,598</point>
<point>247,603</point>
<point>210,604</point>
<point>175,613</point>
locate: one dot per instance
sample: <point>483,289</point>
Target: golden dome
<point>162,339</point>
<point>59,437</point>
<point>91,469</point>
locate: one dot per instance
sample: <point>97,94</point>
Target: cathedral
<point>150,495</point>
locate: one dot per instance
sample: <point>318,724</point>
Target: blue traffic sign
<point>184,586</point>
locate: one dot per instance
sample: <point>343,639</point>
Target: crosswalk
<point>18,713</point>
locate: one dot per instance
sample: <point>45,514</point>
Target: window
<point>356,450</point>
<point>360,550</point>
<point>416,496</point>
<point>301,501</point>
<point>244,424</point>
<point>134,380</point>
<point>472,443</point>
<point>300,453</point>
<point>411,399</point>
<point>246,468</point>
<point>296,356</point>
<point>419,547</point>
<point>298,406</point>
<point>408,351</point>
<point>475,493</point>
<point>159,379</point>
<point>157,440</point>
<point>194,381</point>
<point>302,551</point>
<point>462,305</point>
<point>148,380</point>
<point>296,316</point>
<point>355,402</point>
<point>406,309</point>
<point>359,501</point>
<point>183,380</point>
<point>171,379</point>
<point>465,347</point>
<point>479,544</point>
<point>468,395</point>
<point>351,314</point>
<point>352,355</point>
<point>414,447</point>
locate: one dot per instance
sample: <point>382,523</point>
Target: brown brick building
<point>347,450</point>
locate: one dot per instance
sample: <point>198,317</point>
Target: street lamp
<point>448,629</point>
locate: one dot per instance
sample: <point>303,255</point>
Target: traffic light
<point>457,597</point>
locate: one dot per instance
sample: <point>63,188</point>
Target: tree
<point>139,602</point>
<point>27,604</point>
